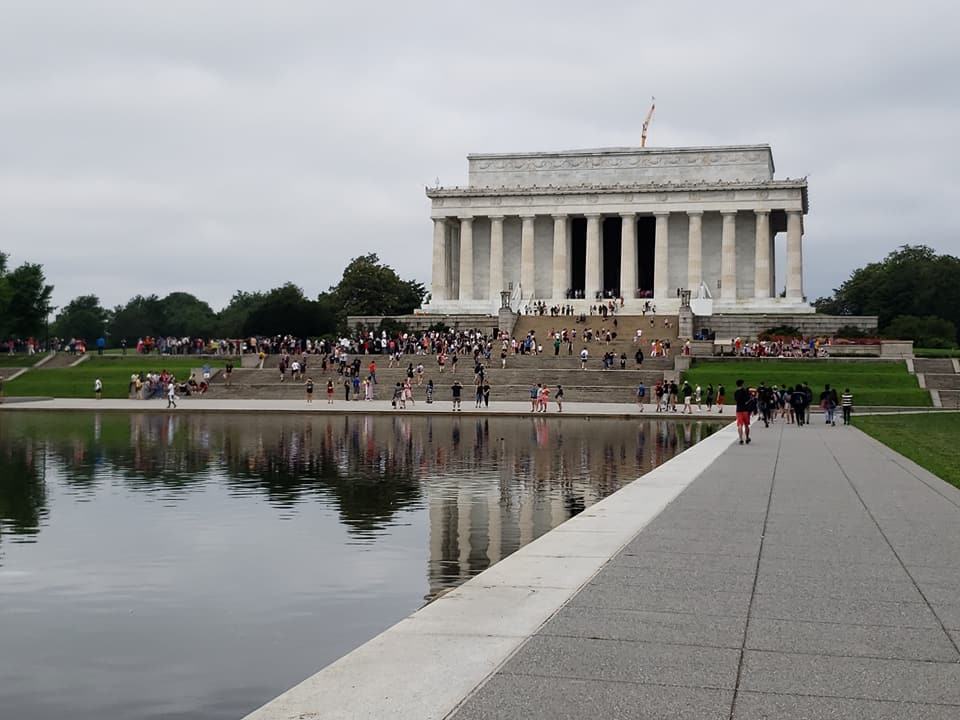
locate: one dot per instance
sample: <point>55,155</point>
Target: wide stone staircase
<point>653,327</point>
<point>511,383</point>
<point>941,375</point>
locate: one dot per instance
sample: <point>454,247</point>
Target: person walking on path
<point>430,392</point>
<point>798,399</point>
<point>743,399</point>
<point>829,404</point>
<point>721,397</point>
<point>846,404</point>
<point>227,372</point>
<point>171,395</point>
<point>98,388</point>
<point>583,359</point>
<point>455,389</point>
<point>329,392</point>
<point>559,398</point>
<point>486,394</point>
<point>709,397</point>
<point>641,394</point>
<point>687,399</point>
<point>309,390</point>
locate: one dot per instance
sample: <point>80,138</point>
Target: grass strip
<point>872,383</point>
<point>929,439</point>
<point>77,382</point>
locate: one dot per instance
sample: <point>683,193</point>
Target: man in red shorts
<point>742,398</point>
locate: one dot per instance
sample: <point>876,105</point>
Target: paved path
<point>811,574</point>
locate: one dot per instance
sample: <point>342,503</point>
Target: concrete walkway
<point>811,574</point>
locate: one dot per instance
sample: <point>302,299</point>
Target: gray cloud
<point>217,146</point>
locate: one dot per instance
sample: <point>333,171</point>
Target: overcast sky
<point>215,146</point>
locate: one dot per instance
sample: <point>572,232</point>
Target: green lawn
<point>18,361</point>
<point>872,383</point>
<point>936,353</point>
<point>928,439</point>
<point>77,382</point>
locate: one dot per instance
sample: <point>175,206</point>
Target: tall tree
<point>24,299</point>
<point>369,287</point>
<point>140,317</point>
<point>83,317</point>
<point>286,310</point>
<point>912,280</point>
<point>232,319</point>
<point>186,316</point>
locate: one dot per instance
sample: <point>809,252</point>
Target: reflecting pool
<point>197,565</point>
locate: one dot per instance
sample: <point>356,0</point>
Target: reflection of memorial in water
<point>489,485</point>
<point>536,483</point>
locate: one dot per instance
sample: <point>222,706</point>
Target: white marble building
<point>636,222</point>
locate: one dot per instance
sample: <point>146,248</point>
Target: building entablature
<point>642,198</point>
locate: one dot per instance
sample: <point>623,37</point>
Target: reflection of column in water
<point>687,433</point>
<point>640,448</point>
<point>97,427</point>
<point>494,529</point>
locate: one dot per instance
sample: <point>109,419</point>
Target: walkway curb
<point>426,665</point>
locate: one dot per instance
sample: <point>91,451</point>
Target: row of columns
<point>628,257</point>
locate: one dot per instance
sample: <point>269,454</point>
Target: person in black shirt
<point>743,399</point>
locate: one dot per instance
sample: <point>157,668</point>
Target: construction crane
<point>646,123</point>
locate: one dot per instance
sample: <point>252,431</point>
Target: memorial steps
<point>941,375</point>
<point>511,383</point>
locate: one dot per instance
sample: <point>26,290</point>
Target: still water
<point>188,566</point>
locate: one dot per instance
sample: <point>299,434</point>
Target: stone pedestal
<point>506,319</point>
<point>685,323</point>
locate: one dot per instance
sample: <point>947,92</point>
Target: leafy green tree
<point>140,317</point>
<point>927,332</point>
<point>369,287</point>
<point>232,319</point>
<point>185,315</point>
<point>913,280</point>
<point>83,317</point>
<point>286,310</point>
<point>24,299</point>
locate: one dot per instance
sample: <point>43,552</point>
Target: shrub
<point>929,331</point>
<point>852,332</point>
<point>780,332</point>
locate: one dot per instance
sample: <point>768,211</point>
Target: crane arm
<point>646,123</point>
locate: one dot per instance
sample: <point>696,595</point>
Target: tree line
<point>367,287</point>
<point>914,292</point>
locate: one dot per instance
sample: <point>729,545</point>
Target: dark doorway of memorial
<point>610,242</point>
<point>646,242</point>
<point>578,255</point>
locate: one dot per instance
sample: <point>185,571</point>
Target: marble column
<point>527,263</point>
<point>496,259</point>
<point>593,282</point>
<point>560,258</point>
<point>728,256</point>
<point>761,261</point>
<point>794,255</point>
<point>628,254</point>
<point>466,258</point>
<point>661,259</point>
<point>439,285</point>
<point>695,252</point>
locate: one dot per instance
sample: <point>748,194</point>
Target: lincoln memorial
<point>639,223</point>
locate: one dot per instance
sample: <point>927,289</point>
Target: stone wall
<point>750,326</point>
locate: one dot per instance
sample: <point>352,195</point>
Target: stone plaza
<point>574,227</point>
